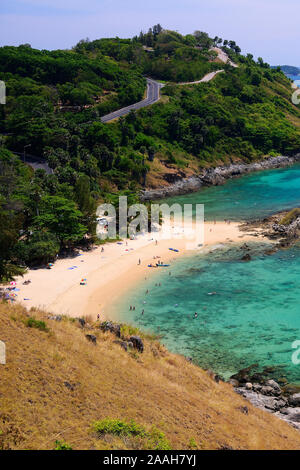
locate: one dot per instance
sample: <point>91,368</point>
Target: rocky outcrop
<point>267,395</point>
<point>216,176</point>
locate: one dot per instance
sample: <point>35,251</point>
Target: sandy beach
<point>111,272</point>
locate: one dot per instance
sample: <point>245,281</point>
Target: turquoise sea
<point>254,317</point>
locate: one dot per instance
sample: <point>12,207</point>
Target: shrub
<point>61,445</point>
<point>156,440</point>
<point>118,427</point>
<point>290,217</point>
<point>152,440</point>
<point>39,324</point>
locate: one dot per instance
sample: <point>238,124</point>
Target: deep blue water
<point>254,317</point>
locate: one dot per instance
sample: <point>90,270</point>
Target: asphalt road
<point>153,95</point>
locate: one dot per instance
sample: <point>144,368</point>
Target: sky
<point>265,28</point>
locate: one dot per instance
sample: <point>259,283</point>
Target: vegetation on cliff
<point>55,100</point>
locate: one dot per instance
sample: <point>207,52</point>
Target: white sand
<point>108,274</point>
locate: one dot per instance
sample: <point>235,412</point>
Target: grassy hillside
<point>56,385</point>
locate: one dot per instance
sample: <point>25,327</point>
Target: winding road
<point>153,95</point>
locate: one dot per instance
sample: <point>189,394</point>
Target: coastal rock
<point>215,176</point>
<point>248,386</point>
<point>294,400</point>
<point>268,403</point>
<point>246,257</point>
<point>269,391</point>
<point>137,343</point>
<point>274,385</point>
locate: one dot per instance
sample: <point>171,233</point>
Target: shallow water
<point>254,317</point>
<point>249,197</point>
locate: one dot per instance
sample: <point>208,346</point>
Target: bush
<point>38,324</point>
<point>290,217</point>
<point>153,439</point>
<point>61,445</point>
<point>118,427</point>
<point>156,440</point>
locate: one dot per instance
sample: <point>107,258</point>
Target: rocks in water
<point>113,328</point>
<point>269,403</point>
<point>91,338</point>
<point>294,400</point>
<point>137,343</point>
<point>266,390</point>
<point>268,395</point>
<point>213,176</point>
<point>234,382</point>
<point>274,385</point>
<point>244,375</point>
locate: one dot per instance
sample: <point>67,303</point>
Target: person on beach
<point>133,307</point>
<point>143,312</point>
<point>156,242</point>
<point>139,263</point>
<point>102,250</point>
<point>130,308</point>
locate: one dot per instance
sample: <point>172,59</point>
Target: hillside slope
<point>56,384</point>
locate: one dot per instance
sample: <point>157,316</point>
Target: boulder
<point>137,343</point>
<point>91,338</point>
<point>266,390</point>
<point>249,386</point>
<point>294,400</point>
<point>275,386</point>
<point>234,382</point>
<point>109,326</point>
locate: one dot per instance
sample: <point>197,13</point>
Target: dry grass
<point>154,388</point>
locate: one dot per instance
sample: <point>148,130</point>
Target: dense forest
<point>55,100</point>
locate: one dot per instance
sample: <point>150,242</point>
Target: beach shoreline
<point>111,273</point>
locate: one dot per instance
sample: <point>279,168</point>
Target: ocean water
<point>250,197</point>
<point>295,78</point>
<point>253,315</point>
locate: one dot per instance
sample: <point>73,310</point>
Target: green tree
<point>62,218</point>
